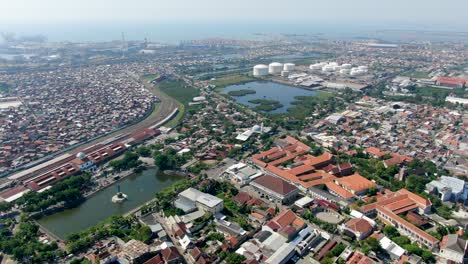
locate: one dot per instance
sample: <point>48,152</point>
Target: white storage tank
<point>315,67</point>
<point>363,68</point>
<point>260,70</point>
<point>336,68</point>
<point>346,66</point>
<point>327,68</point>
<point>344,71</point>
<point>275,68</point>
<point>289,67</point>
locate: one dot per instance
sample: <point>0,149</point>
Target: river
<point>140,188</point>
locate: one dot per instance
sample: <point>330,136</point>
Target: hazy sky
<point>436,12</point>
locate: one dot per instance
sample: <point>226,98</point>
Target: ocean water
<point>174,32</point>
<point>171,32</point>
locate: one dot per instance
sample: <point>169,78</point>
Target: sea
<point>175,32</point>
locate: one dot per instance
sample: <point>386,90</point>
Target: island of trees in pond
<point>241,92</point>
<point>266,105</point>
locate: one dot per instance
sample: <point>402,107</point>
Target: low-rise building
<point>390,205</point>
<point>242,173</point>
<point>358,228</point>
<point>275,189</point>
<point>453,249</point>
<point>192,199</point>
<point>449,189</point>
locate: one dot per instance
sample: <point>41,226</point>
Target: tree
<point>372,191</point>
<point>442,231</point>
<point>374,244</point>
<point>401,240</point>
<point>234,258</point>
<point>143,233</point>
<point>390,231</point>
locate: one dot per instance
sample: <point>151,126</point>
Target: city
<point>274,148</point>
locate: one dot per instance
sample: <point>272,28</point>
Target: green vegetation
<point>67,192</point>
<point>232,258</point>
<point>165,197</point>
<point>371,244</point>
<point>417,74</point>
<point>241,92</point>
<point>232,79</point>
<point>305,107</point>
<point>266,105</point>
<point>143,233</point>
<point>405,243</point>
<point>150,77</point>
<point>308,215</point>
<point>178,90</point>
<point>24,245</point>
<point>129,161</point>
<point>216,236</point>
<point>114,226</point>
<point>169,159</point>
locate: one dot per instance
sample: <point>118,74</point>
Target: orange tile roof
<point>415,197</point>
<point>338,190</point>
<point>301,169</point>
<point>359,225</point>
<point>375,151</point>
<point>355,182</point>
<point>359,258</point>
<point>407,224</point>
<point>319,160</point>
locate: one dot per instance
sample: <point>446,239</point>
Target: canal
<point>282,93</point>
<point>140,188</point>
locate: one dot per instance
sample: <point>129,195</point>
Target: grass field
<point>150,77</point>
<point>179,91</point>
<point>417,75</point>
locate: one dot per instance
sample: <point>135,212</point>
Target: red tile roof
<point>275,184</point>
<point>359,258</point>
<point>359,225</point>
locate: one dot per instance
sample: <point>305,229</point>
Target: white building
<point>83,162</point>
<point>449,188</point>
<point>394,250</point>
<point>244,136</point>
<point>454,100</point>
<point>242,173</point>
<point>192,199</point>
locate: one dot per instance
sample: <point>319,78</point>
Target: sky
<point>415,12</point>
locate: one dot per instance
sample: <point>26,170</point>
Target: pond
<point>140,188</point>
<point>282,93</point>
